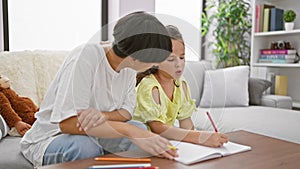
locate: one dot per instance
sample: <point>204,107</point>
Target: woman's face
<point>174,65</point>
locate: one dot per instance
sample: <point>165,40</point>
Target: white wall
<point>52,24</point>
<point>119,8</point>
<point>129,6</point>
<point>186,15</point>
<point>183,14</point>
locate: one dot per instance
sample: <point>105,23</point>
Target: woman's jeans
<point>68,147</point>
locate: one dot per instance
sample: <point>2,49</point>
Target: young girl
<point>164,96</point>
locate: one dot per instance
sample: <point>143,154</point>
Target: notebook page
<point>233,148</point>
<point>191,153</point>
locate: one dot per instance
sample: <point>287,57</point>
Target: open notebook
<point>191,153</point>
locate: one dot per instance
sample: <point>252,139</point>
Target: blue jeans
<point>67,147</point>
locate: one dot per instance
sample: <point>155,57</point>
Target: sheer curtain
<point>52,24</point>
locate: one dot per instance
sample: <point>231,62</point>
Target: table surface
<point>266,153</point>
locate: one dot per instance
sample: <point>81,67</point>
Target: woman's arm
<point>92,117</point>
<point>149,142</point>
<point>118,115</point>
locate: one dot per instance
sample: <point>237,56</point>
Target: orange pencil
<point>123,159</point>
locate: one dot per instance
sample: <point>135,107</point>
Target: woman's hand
<point>155,145</point>
<point>212,139</point>
<point>90,118</point>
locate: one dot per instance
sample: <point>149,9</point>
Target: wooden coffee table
<point>266,153</point>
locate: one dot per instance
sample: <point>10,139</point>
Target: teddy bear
<point>18,112</point>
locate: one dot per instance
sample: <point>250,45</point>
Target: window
<point>52,24</point>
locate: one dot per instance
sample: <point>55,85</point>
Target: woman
<point>87,106</point>
<point>164,96</point>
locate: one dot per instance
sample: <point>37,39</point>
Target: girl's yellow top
<point>181,107</point>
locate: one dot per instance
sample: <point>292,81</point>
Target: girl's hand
<point>89,118</point>
<point>155,145</point>
<point>212,139</point>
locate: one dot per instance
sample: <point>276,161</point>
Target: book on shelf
<point>277,51</point>
<point>276,19</point>
<point>281,83</point>
<point>189,153</point>
<point>257,18</point>
<point>260,20</point>
<point>271,78</point>
<point>279,56</point>
<point>284,61</point>
<point>266,25</point>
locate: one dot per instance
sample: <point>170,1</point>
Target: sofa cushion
<point>194,75</point>
<point>226,87</point>
<point>3,128</point>
<point>11,156</point>
<point>256,89</point>
<point>19,68</point>
<point>278,123</point>
<point>31,72</point>
<point>284,102</point>
<point>46,64</point>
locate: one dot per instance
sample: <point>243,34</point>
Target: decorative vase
<point>289,26</point>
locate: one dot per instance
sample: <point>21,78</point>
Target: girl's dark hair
<point>143,37</point>
<point>174,34</point>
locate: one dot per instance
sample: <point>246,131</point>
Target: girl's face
<point>173,66</point>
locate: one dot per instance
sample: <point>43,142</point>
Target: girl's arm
<point>186,124</point>
<point>212,139</point>
<point>174,133</point>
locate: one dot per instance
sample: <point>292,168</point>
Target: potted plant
<point>227,27</point>
<point>289,17</point>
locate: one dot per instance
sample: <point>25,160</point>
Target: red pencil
<point>212,122</point>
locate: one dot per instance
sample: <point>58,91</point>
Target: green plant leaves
<point>230,26</point>
<point>289,16</point>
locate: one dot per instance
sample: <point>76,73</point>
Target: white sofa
<point>32,71</point>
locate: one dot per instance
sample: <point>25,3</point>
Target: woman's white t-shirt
<point>85,80</point>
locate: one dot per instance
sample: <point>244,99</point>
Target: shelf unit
<point>262,40</point>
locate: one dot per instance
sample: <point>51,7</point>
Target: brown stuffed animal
<point>17,111</point>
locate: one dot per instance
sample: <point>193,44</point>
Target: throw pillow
<point>3,128</point>
<point>256,89</point>
<point>226,87</point>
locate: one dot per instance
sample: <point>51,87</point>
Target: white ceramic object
<point>289,26</point>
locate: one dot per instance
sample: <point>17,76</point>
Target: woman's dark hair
<point>174,34</point>
<point>143,37</point>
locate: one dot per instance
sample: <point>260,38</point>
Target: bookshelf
<point>262,40</point>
